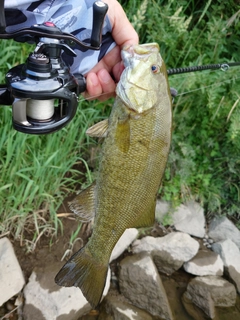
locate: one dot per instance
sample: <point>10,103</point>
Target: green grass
<point>37,172</point>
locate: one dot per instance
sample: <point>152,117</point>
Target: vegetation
<point>204,162</point>
<point>37,172</point>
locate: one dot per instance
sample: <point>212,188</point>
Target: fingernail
<point>92,80</point>
<point>104,76</point>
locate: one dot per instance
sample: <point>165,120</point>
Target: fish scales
<point>133,160</point>
<point>127,199</point>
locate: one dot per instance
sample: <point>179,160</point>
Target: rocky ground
<point>184,272</point>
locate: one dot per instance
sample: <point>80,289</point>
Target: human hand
<point>101,80</point>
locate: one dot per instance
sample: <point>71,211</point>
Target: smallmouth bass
<point>133,160</point>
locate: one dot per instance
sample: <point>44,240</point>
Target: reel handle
<point>2,17</point>
<point>35,32</point>
<point>5,95</point>
<point>99,12</point>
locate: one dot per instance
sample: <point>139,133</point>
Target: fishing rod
<point>221,66</point>
<point>43,92</point>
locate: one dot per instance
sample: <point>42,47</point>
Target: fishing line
<point>94,97</point>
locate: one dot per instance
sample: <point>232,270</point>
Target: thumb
<point>122,30</point>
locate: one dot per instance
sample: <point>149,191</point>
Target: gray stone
<point>169,252</point>
<point>114,306</point>
<point>222,229</point>
<point>124,242</point>
<point>47,301</point>
<point>162,209</point>
<point>190,218</point>
<point>165,263</point>
<point>210,292</point>
<point>230,255</point>
<point>11,276</point>
<point>194,311</point>
<point>140,282</point>
<point>205,263</point>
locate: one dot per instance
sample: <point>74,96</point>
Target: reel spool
<point>45,93</point>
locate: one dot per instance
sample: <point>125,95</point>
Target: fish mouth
<point>139,52</point>
<point>127,54</point>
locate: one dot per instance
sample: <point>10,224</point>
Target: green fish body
<point>133,160</point>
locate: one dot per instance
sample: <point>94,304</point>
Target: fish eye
<point>155,68</point>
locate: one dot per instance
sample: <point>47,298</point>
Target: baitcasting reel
<point>43,93</point>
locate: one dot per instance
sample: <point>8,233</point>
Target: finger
<point>117,71</point>
<point>100,86</point>
<point>107,83</point>
<point>93,86</point>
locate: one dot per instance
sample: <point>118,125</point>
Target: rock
<point>210,292</point>
<point>140,282</point>
<point>205,263</point>
<point>46,300</point>
<point>11,275</point>
<point>194,311</point>
<point>169,252</point>
<point>230,255</point>
<point>124,242</point>
<point>174,290</point>
<point>114,306</point>
<point>162,209</point>
<point>190,218</point>
<point>222,229</point>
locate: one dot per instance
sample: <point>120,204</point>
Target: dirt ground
<point>46,252</point>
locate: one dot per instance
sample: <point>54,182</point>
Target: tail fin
<point>83,271</point>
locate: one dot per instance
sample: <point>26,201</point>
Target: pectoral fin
<point>122,135</point>
<point>98,130</point>
<point>84,204</point>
